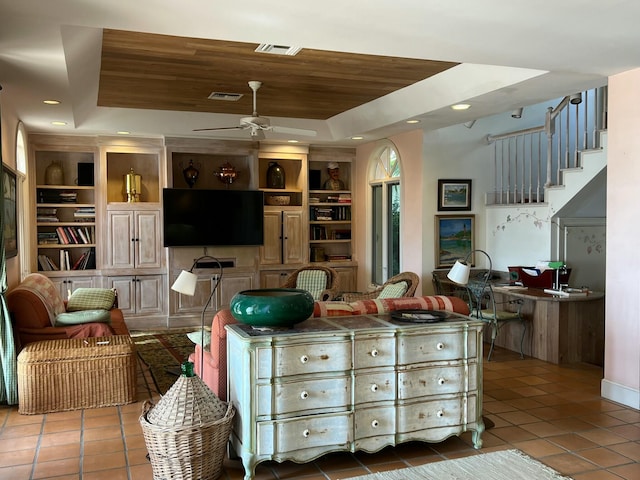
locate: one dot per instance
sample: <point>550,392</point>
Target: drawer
<point>301,433</point>
<point>376,421</point>
<point>423,382</point>
<point>374,352</point>
<point>308,395</point>
<point>375,387</point>
<point>308,358</point>
<point>436,346</point>
<point>445,412</point>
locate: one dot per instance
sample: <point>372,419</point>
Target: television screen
<point>212,217</point>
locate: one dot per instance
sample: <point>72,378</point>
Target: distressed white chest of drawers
<point>352,383</point>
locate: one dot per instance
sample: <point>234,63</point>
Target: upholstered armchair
<point>321,282</point>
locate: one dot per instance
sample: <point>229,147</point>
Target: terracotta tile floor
<point>552,413</point>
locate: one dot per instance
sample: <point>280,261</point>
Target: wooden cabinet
<point>274,278</point>
<point>134,237</point>
<point>283,238</point>
<point>230,284</point>
<point>359,384</point>
<point>67,284</point>
<point>139,294</point>
<point>65,203</point>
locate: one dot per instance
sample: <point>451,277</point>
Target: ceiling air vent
<point>278,49</point>
<point>228,97</point>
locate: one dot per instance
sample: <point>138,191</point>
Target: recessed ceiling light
<point>51,102</point>
<point>292,141</point>
<point>58,123</point>
<point>278,49</point>
<point>460,106</point>
<point>123,132</point>
<point>413,121</point>
<point>357,137</point>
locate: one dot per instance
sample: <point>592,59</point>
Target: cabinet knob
<point>304,359</point>
<point>440,346</point>
<point>441,381</point>
<point>374,388</point>
<point>440,413</point>
<point>306,433</point>
<point>375,423</point>
<point>304,395</point>
<point>374,352</point>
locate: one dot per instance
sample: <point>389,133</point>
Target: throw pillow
<point>91,299</point>
<point>394,290</point>
<point>83,316</point>
<point>201,337</point>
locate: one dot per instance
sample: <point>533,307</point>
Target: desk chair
<point>483,306</point>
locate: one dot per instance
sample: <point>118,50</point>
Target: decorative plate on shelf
<point>419,316</point>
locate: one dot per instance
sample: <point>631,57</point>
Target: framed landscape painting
<point>454,195</point>
<point>9,214</point>
<point>454,238</point>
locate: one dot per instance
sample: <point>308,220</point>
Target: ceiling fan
<point>258,125</point>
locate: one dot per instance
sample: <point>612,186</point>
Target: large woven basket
<point>186,433</point>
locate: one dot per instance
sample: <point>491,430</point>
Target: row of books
<point>75,235</point>
<point>86,261</point>
<point>330,213</point>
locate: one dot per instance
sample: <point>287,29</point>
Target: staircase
<point>543,174</point>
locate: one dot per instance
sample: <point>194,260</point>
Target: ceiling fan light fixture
<point>278,49</point>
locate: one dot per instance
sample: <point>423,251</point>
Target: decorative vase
<point>275,176</point>
<point>54,175</point>
<point>272,307</point>
<point>191,174</point>
<point>227,174</point>
<point>132,186</point>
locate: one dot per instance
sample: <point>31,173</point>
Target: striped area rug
<point>503,465</point>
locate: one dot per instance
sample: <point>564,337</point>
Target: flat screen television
<point>212,217</point>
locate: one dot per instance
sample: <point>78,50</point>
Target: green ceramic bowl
<point>272,307</point>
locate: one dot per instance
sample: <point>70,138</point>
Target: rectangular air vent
<point>278,49</point>
<point>228,97</point>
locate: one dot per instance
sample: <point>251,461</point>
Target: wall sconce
<point>575,99</point>
<point>469,124</point>
<point>517,113</point>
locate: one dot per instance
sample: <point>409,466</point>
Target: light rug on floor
<point>503,465</point>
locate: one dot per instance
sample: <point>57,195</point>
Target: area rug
<point>163,351</point>
<point>503,465</point>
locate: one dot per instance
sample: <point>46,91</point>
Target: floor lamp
<point>459,273</point>
<point>186,284</point>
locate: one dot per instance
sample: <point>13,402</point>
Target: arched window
<point>384,182</point>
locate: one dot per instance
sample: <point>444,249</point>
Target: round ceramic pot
<point>272,307</point>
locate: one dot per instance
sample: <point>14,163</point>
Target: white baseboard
<point>620,394</point>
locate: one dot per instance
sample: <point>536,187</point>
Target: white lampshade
<point>185,283</point>
<point>459,273</point>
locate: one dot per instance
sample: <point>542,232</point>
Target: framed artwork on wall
<point>454,238</point>
<point>454,195</point>
<point>9,213</point>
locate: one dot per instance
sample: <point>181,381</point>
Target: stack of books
<point>85,214</point>
<point>47,214</point>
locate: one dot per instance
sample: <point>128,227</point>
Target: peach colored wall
<point>409,147</point>
<point>622,349</point>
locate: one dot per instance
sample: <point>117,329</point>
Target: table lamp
<point>459,273</point>
<point>186,284</point>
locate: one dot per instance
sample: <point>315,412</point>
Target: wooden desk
<point>560,330</point>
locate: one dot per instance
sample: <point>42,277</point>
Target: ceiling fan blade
<point>293,131</point>
<point>217,128</point>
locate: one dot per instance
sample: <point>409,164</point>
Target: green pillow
<point>83,316</point>
<point>91,299</point>
<point>394,290</point>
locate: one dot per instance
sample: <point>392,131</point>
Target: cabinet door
<point>294,251</point>
<point>68,285</point>
<point>230,285</point>
<point>125,289</point>
<point>147,243</point>
<point>347,276</point>
<point>121,232</point>
<point>271,251</point>
<point>149,294</point>
<point>273,278</point>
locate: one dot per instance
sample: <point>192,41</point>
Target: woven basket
<point>186,433</point>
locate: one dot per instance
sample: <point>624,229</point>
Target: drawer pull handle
<point>440,346</point>
<point>306,433</point>
<point>304,395</point>
<point>374,352</point>
<point>375,424</point>
<point>440,413</point>
<point>304,358</point>
<point>441,381</point>
<point>374,388</point>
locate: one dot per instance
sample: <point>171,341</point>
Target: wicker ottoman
<point>69,374</point>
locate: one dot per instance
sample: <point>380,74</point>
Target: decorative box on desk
<point>352,383</point>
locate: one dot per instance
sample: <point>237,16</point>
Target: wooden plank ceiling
<point>160,72</point>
